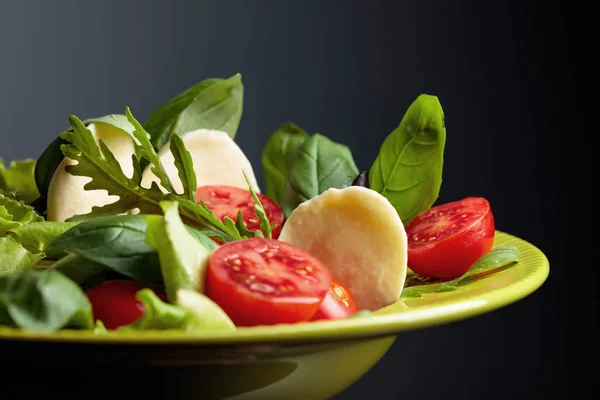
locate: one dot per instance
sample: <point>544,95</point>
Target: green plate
<point>500,288</point>
<point>258,363</point>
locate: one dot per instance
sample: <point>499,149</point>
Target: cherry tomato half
<point>447,239</point>
<point>114,303</point>
<point>225,201</point>
<point>261,281</point>
<point>338,303</point>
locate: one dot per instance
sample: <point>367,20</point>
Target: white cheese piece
<point>358,234</point>
<point>217,160</point>
<point>66,195</point>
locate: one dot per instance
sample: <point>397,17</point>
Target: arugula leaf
<point>211,104</point>
<point>319,164</point>
<point>45,300</point>
<point>37,237</point>
<point>19,180</point>
<point>117,242</point>
<point>500,256</point>
<point>97,162</point>
<point>185,167</point>
<point>408,168</point>
<point>158,315</point>
<point>265,225</point>
<point>52,156</point>
<point>15,258</point>
<point>147,151</point>
<point>183,259</point>
<point>277,157</point>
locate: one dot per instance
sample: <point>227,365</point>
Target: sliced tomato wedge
<point>447,239</point>
<point>225,201</point>
<point>114,302</point>
<point>261,281</point>
<point>337,304</point>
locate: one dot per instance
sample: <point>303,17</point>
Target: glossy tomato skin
<point>261,281</point>
<point>114,303</point>
<point>225,201</point>
<point>446,240</point>
<point>338,303</point>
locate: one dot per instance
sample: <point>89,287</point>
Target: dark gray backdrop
<point>507,76</point>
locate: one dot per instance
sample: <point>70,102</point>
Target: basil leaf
<point>211,104</point>
<point>45,300</point>
<point>183,259</point>
<point>277,158</point>
<point>158,315</point>
<point>500,256</point>
<point>408,168</point>
<point>52,156</point>
<point>15,258</point>
<point>86,273</point>
<point>19,179</point>
<point>118,242</point>
<point>319,164</point>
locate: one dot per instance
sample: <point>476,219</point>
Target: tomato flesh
<point>260,281</point>
<point>447,239</point>
<point>225,201</point>
<point>337,304</point>
<point>114,303</point>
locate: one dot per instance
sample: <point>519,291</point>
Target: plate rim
<point>372,326</point>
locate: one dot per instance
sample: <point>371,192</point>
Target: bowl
<point>315,360</point>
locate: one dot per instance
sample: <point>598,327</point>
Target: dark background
<point>512,78</point>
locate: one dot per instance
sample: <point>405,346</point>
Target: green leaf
<point>45,300</point>
<point>319,164</point>
<point>185,167</point>
<point>19,179</point>
<point>14,258</point>
<point>183,259</point>
<point>37,237</point>
<point>277,158</point>
<point>14,213</point>
<point>147,151</point>
<point>52,156</point>
<point>408,168</point>
<point>211,104</point>
<point>203,314</point>
<point>45,167</point>
<point>158,315</point>
<point>86,273</point>
<point>118,242</point>
<point>98,163</point>
<point>500,256</point>
<point>265,224</point>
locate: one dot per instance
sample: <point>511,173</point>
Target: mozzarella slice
<point>358,234</point>
<point>217,159</point>
<point>66,196</point>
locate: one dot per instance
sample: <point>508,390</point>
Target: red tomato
<point>114,302</point>
<point>447,239</point>
<point>225,201</point>
<point>338,303</point>
<point>261,281</point>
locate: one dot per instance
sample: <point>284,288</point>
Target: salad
<point>121,225</point>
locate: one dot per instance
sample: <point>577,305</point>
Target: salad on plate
<point>121,225</point>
